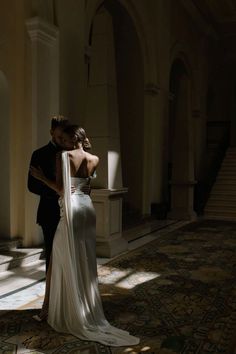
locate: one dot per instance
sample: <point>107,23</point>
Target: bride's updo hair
<point>78,134</point>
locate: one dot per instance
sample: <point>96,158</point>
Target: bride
<point>72,301</point>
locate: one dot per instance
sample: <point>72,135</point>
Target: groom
<point>48,213</point>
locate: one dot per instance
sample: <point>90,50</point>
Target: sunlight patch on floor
<point>126,279</point>
<point>136,279</point>
<point>132,351</point>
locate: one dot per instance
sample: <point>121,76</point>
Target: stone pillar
<point>44,54</point>
<point>102,125</point>
<point>199,120</point>
<point>233,116</point>
<point>152,153</point>
<point>5,212</point>
<point>45,76</point>
<point>182,183</point>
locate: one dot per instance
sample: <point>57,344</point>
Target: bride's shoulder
<point>92,158</point>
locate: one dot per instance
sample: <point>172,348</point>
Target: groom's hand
<point>72,189</point>
<point>86,189</point>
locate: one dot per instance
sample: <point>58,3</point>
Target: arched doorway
<point>5,230</point>
<point>180,158</point>
<point>125,100</point>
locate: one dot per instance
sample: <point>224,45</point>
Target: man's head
<point>58,123</point>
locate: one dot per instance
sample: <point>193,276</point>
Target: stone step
<point>223,192</point>
<point>21,277</point>
<point>226,174</point>
<point>230,157</point>
<point>223,186</point>
<point>228,161</point>
<point>227,171</point>
<point>17,257</point>
<point>220,210</point>
<point>220,213</point>
<point>219,217</point>
<point>231,150</point>
<point>9,244</point>
<point>230,154</point>
<point>226,179</point>
<point>223,197</point>
<point>220,203</point>
<point>228,166</point>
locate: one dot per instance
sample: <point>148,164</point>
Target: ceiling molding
<point>199,19</point>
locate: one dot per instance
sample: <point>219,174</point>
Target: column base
<point>108,206</point>
<point>182,214</point>
<point>182,193</point>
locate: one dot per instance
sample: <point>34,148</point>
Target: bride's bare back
<point>82,164</point>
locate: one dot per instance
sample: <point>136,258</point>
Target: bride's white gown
<point>75,305</point>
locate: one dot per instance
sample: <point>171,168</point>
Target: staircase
<point>19,269</point>
<point>12,255</point>
<point>222,201</point>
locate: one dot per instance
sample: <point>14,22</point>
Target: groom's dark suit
<point>48,213</point>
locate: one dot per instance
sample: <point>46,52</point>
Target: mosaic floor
<point>177,293</point>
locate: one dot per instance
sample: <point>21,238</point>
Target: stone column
<point>5,210</point>
<point>182,183</point>
<point>152,184</point>
<point>199,120</point>
<point>233,116</point>
<point>102,125</point>
<point>44,54</point>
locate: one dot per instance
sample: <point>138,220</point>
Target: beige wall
<point>70,20</point>
<point>13,64</point>
<point>130,81</point>
<point>161,31</point>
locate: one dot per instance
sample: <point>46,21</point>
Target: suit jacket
<point>48,210</point>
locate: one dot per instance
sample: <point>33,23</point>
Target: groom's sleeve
<point>34,185</point>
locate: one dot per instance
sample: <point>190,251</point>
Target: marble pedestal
<point>108,206</point>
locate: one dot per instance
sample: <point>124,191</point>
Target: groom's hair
<point>59,121</point>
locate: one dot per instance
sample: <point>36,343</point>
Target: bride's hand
<point>37,173</point>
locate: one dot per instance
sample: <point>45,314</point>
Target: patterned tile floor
<point>19,286</point>
<point>23,289</point>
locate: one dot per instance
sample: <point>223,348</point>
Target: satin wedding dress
<point>75,305</point>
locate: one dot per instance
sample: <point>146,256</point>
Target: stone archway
<point>122,98</point>
<point>115,121</point>
<point>130,83</point>
<point>181,150</point>
<point>144,37</point>
<point>5,229</point>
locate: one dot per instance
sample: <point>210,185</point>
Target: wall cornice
<point>200,21</point>
<point>42,31</point>
<point>152,89</point>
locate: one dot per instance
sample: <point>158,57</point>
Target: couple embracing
<point>60,173</point>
